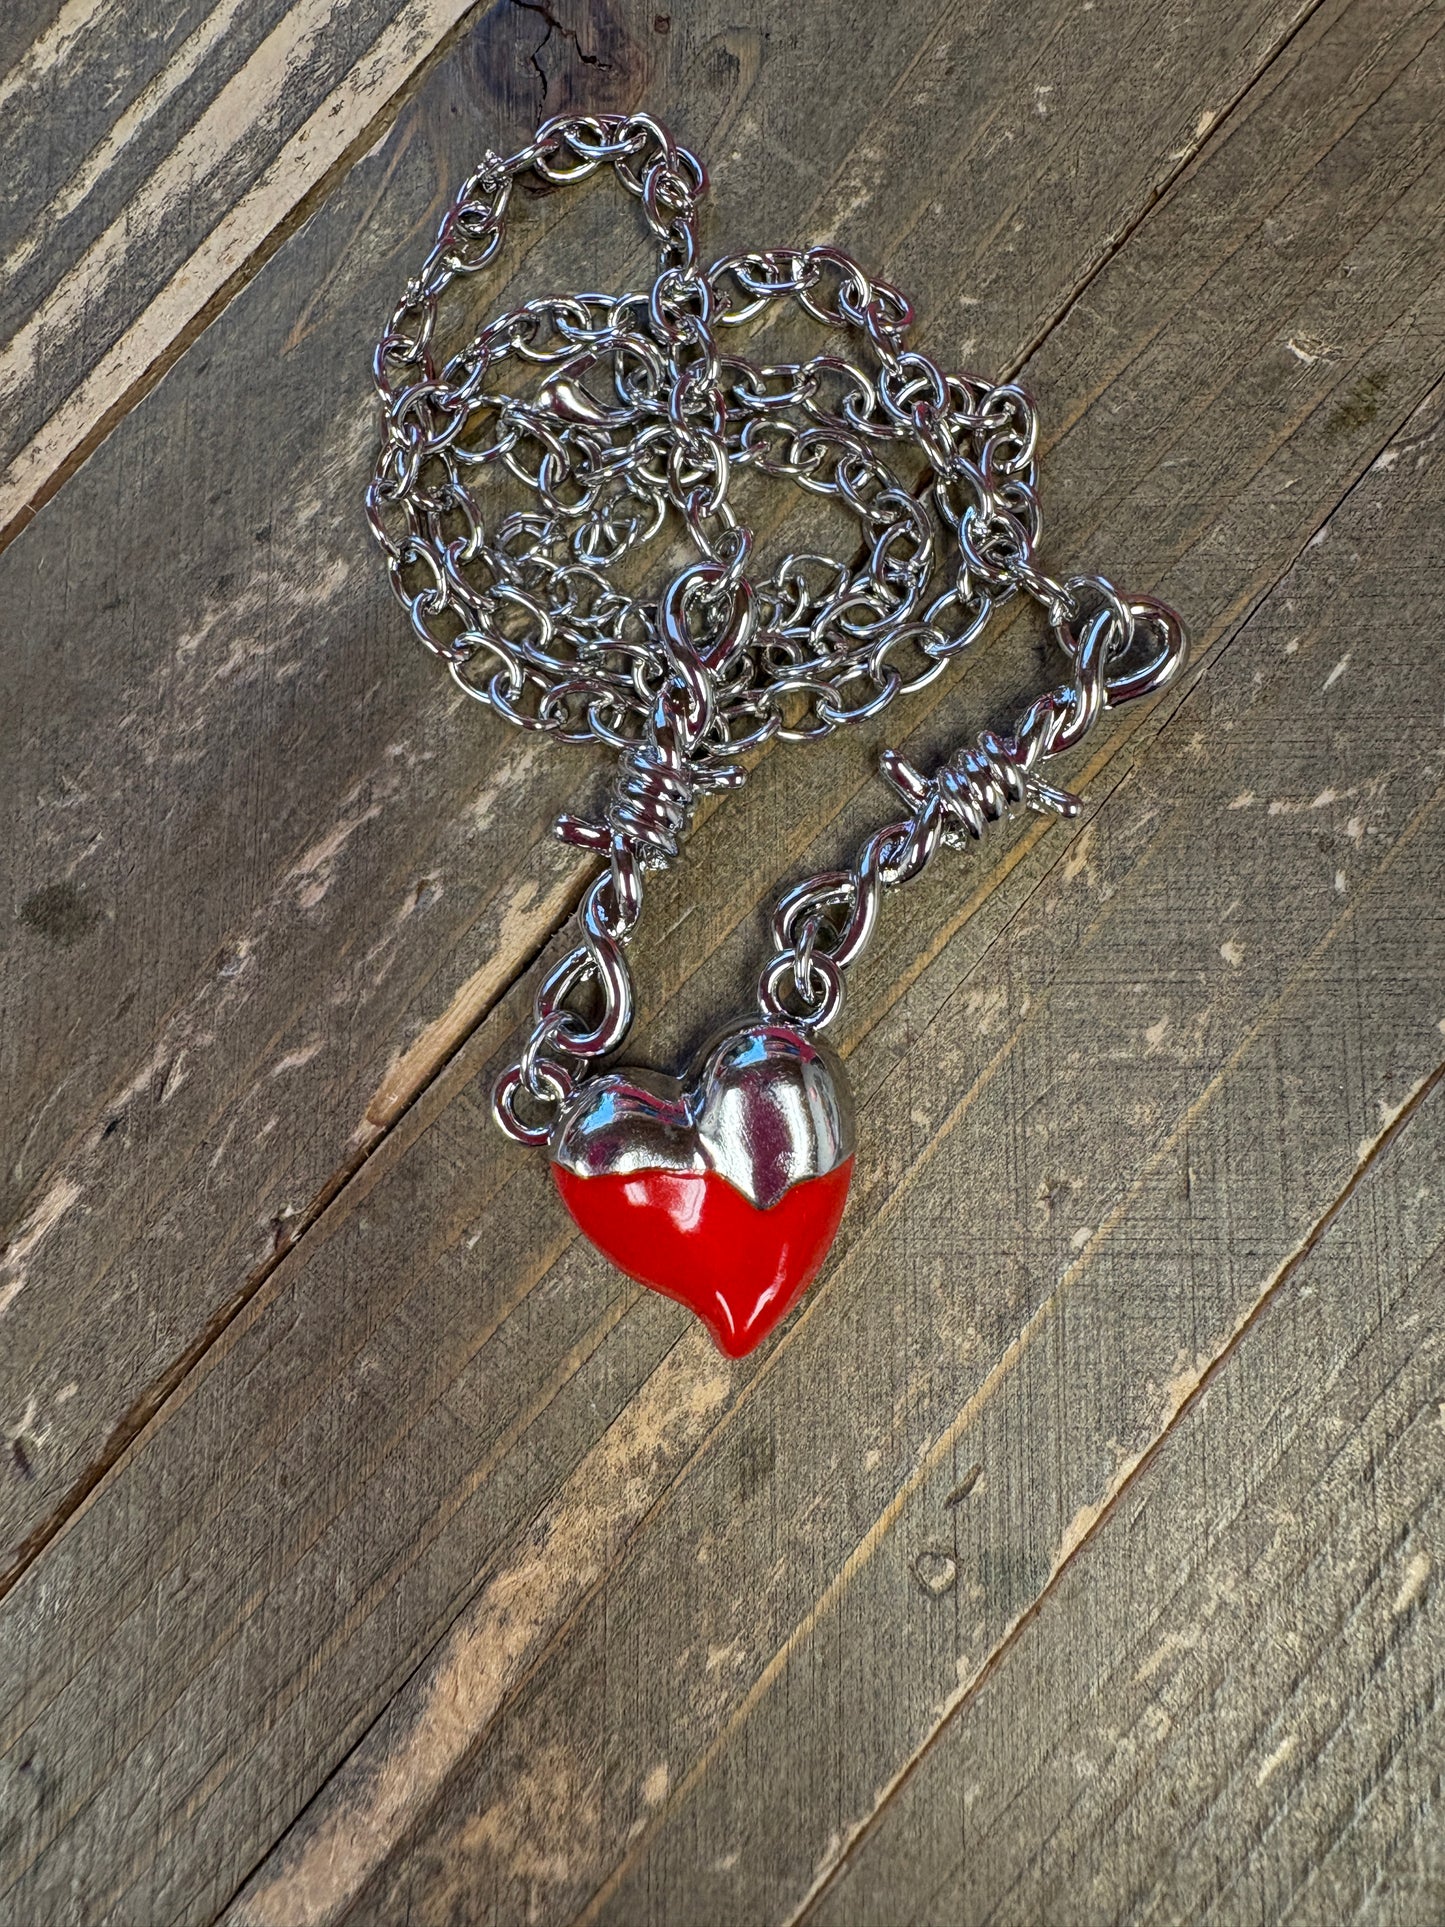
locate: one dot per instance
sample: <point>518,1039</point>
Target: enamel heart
<point>725,1193</point>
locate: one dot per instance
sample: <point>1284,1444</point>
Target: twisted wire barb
<point>822,924</point>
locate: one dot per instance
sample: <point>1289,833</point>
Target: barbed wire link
<point>636,425</point>
<point>821,925</point>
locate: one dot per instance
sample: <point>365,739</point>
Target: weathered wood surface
<point>806,1605</point>
<point>375,871</point>
<point>1228,1715</point>
<point>184,824</point>
<point>179,144</point>
<point>427,1571</point>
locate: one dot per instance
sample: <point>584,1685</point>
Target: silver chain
<point>632,428</point>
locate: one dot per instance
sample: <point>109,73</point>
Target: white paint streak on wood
<point>187,58</point>
<point>340,119</point>
<point>250,94</point>
<point>1276,1759</point>
<point>1412,1585</point>
<point>15,1261</point>
<point>25,1427</point>
<point>295,1059</point>
<point>313,871</point>
<point>562,1556</point>
<point>44,55</point>
<point>415,1067</point>
<point>1170,1647</point>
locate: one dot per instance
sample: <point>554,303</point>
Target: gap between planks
<point>346,124</point>
<point>1083,1529</point>
<point>1085,1524</point>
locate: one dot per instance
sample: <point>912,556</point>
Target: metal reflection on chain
<point>639,421</point>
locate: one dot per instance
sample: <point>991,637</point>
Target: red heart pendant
<point>726,1194</point>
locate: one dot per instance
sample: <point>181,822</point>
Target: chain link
<point>635,425</point>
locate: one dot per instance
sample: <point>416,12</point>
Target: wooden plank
<point>1037,1278</point>
<point>1227,1707</point>
<point>470,1444</point>
<point>263,889</point>
<point>180,142</point>
<point>131,974</point>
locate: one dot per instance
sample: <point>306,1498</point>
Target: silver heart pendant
<point>725,1192</point>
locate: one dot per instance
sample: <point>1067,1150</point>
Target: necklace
<point>614,420</point>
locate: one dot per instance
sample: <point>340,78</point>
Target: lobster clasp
<point>563,396</point>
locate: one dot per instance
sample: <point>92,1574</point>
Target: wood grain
<point>810,1599</point>
<point>430,1549</point>
<point>1228,1708</point>
<point>267,878</point>
<point>180,144</point>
